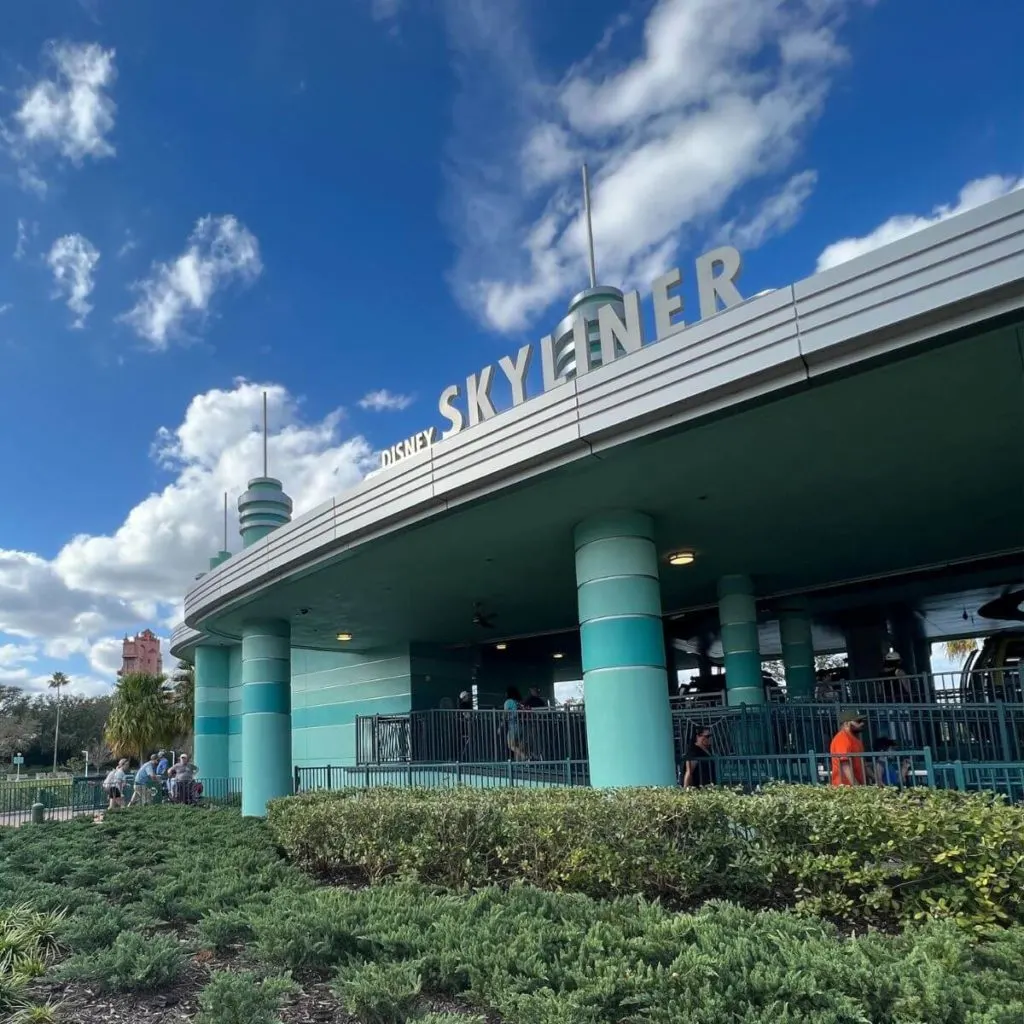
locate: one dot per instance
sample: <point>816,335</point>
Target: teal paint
<point>266,714</point>
<point>262,509</point>
<point>211,711</point>
<point>219,558</point>
<point>797,651</point>
<point>235,711</point>
<point>331,689</point>
<point>737,611</point>
<point>629,721</point>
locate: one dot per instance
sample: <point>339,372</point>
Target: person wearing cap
<point>895,682</point>
<point>465,705</point>
<point>848,770</point>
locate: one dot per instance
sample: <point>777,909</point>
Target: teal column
<point>737,612</point>
<point>211,711</point>
<point>262,509</point>
<point>266,714</point>
<point>625,687</point>
<point>797,651</point>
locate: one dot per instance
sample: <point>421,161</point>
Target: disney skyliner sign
<point>716,272</point>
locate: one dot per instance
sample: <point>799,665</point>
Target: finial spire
<point>264,433</point>
<point>225,521</point>
<point>590,227</point>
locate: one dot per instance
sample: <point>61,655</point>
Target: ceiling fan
<point>480,618</point>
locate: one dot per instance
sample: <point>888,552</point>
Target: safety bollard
<point>38,810</point>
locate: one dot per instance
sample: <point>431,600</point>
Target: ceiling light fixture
<point>558,654</point>
<point>500,647</point>
<point>681,558</point>
<point>344,637</point>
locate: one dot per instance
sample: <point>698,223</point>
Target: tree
<point>142,715</point>
<point>957,650</point>
<point>57,680</point>
<point>184,699</point>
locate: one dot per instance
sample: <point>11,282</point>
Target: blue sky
<point>355,203</point>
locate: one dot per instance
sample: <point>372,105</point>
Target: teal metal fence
<point>65,799</point>
<point>954,731</point>
<point>900,769</point>
<point>479,775</point>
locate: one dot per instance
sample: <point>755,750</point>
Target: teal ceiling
<point>916,462</point>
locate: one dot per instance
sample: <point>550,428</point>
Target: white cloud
<point>71,111</point>
<point>220,251</point>
<point>6,307</point>
<point>776,215</point>
<point>97,587</point>
<point>385,10</point>
<point>24,230</point>
<point>718,99</point>
<point>73,258</point>
<point>385,401</point>
<point>169,536</point>
<point>974,193</point>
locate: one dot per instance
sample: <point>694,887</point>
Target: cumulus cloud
<point>974,193</point>
<point>717,100</point>
<point>81,602</point>
<point>6,307</point>
<point>220,251</point>
<point>69,112</point>
<point>385,401</point>
<point>170,535</point>
<point>73,258</point>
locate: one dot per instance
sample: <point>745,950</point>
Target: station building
<point>836,465</point>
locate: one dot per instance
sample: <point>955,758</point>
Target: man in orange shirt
<point>848,771</point>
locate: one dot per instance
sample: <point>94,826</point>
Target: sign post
<point>18,762</point>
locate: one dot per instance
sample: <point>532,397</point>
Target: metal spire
<point>264,433</point>
<point>590,227</point>
<point>225,522</point>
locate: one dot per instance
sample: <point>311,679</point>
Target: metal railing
<point>65,799</point>
<point>899,769</point>
<point>479,775</point>
<point>954,731</point>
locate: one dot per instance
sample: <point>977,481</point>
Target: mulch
<point>179,1003</point>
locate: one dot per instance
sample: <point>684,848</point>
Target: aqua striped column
<point>625,684</point>
<point>797,650</point>
<point>211,711</point>
<point>737,613</point>
<point>266,714</point>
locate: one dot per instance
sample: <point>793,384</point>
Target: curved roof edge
<point>955,274</point>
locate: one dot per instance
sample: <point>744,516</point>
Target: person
<point>113,784</point>
<point>698,767</point>
<point>848,770</point>
<point>465,706</point>
<point>895,683</point>
<point>182,781</point>
<point>514,725</point>
<point>888,772</point>
<point>534,699</point>
<point>146,781</point>
<point>163,764</point>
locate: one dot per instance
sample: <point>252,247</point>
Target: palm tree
<point>142,715</point>
<point>184,698</point>
<point>57,680</point>
<point>957,650</point>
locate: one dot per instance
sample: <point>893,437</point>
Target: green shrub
<point>223,930</point>
<point>385,993</point>
<point>230,998</point>
<point>133,963</point>
<point>865,856</point>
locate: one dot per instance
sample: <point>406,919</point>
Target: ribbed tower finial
<point>264,506</point>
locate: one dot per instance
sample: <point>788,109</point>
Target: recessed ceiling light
<point>344,637</point>
<point>558,654</point>
<point>500,647</point>
<point>681,558</point>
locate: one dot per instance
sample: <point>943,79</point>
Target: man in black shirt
<point>698,768</point>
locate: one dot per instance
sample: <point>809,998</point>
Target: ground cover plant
<point>183,914</point>
<point>865,856</point>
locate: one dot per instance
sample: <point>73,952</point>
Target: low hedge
<point>861,856</point>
